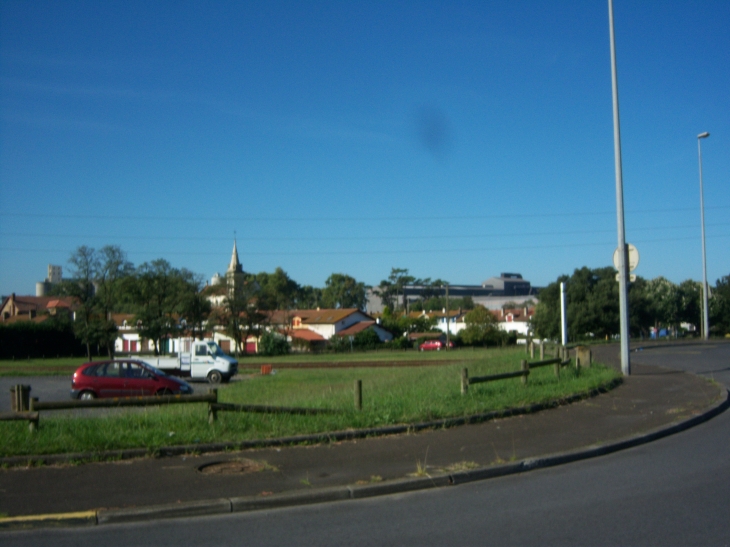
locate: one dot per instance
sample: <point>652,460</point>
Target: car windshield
<point>215,349</point>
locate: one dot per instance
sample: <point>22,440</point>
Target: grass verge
<point>391,395</point>
<point>61,366</point>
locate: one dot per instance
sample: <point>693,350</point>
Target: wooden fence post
<point>524,366</point>
<point>542,350</point>
<point>212,412</point>
<point>464,381</point>
<point>532,349</point>
<point>358,394</point>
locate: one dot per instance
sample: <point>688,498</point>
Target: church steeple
<point>235,266</point>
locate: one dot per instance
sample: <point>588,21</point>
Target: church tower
<point>234,274</point>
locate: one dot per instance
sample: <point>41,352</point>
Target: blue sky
<point>456,139</point>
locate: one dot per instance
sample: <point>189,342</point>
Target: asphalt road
<point>670,492</point>
<point>46,388</point>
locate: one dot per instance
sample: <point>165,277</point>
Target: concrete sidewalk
<point>651,403</point>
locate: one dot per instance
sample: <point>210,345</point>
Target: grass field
<point>67,365</point>
<point>391,395</point>
<point>62,366</point>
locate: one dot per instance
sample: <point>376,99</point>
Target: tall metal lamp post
<point>705,312</point>
<point>623,284</point>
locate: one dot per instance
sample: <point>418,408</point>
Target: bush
<point>339,344</point>
<point>48,339</point>
<point>398,343</point>
<point>272,344</point>
<point>367,339</point>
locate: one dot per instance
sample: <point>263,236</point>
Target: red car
<point>434,344</point>
<point>124,378</point>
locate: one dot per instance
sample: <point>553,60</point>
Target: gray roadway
<point>674,491</point>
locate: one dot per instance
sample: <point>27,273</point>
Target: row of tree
<point>164,299</point>
<point>593,308</point>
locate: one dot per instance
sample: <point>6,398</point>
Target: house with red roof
<point>35,308</point>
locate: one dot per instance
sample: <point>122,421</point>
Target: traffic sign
<point>633,257</point>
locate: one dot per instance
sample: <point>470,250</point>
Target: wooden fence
<point>32,414</point>
<point>561,359</point>
<point>29,409</point>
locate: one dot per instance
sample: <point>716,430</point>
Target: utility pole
<point>563,316</point>
<point>623,281</point>
<point>705,312</point>
<point>448,318</point>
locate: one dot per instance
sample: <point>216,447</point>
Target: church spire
<point>235,265</point>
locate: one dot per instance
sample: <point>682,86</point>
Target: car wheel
<point>164,392</point>
<point>87,396</point>
<point>215,377</point>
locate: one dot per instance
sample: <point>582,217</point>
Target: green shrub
<point>272,344</point>
<point>367,339</point>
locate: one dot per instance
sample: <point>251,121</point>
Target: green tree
<point>195,309</point>
<point>690,303</point>
<point>343,291</point>
<point>401,324</point>
<point>720,307</point>
<point>277,290</point>
<point>664,302</point>
<point>112,269</point>
<point>98,278</point>
<point>88,326</point>
<point>239,315</point>
<point>309,297</point>
<point>159,292</point>
<point>592,305</point>
<point>390,290</point>
<point>366,339</point>
<point>272,344</point>
<point>481,327</point>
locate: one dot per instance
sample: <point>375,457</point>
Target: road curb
<point>168,510</point>
<point>342,493</point>
<point>81,518</point>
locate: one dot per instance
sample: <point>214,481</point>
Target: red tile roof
<point>306,334</point>
<point>322,316</point>
<point>357,327</point>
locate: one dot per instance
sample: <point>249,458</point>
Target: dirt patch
<point>232,467</point>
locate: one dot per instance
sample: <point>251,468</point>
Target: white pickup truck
<point>203,360</point>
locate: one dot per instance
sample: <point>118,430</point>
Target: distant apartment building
<point>493,293</point>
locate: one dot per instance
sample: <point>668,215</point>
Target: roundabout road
<point>670,492</point>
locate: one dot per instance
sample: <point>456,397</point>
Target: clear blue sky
<point>456,139</point>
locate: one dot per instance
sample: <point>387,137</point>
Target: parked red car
<point>434,345</point>
<point>124,378</point>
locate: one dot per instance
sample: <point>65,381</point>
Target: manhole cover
<point>231,467</point>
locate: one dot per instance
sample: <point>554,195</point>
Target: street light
<point>623,282</point>
<point>705,312</point>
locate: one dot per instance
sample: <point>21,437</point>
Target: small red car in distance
<point>124,378</point>
<point>434,345</point>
